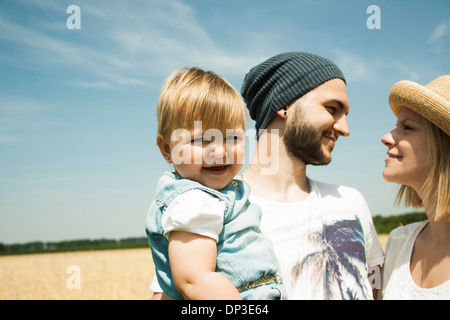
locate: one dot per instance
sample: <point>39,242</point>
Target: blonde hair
<point>192,94</point>
<point>436,188</point>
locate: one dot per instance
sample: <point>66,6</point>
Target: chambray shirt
<point>243,253</point>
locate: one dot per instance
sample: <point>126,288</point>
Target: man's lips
<point>332,138</point>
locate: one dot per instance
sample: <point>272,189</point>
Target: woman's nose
<point>388,139</point>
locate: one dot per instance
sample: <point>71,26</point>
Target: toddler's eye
<point>234,138</point>
<point>200,140</point>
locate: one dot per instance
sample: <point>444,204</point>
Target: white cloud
<point>440,31</point>
<point>354,67</point>
<point>8,139</point>
<point>21,118</point>
<point>126,43</point>
<point>357,68</point>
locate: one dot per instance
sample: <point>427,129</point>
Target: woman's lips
<point>393,157</point>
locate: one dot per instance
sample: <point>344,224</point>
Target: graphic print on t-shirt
<point>335,263</point>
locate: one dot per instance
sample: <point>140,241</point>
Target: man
<point>323,234</point>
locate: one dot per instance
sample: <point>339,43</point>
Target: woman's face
<point>408,159</point>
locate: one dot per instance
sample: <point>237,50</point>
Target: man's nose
<point>341,127</point>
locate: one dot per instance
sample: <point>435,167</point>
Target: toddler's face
<point>212,158</point>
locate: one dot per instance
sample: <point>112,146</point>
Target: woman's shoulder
<point>405,233</point>
<point>408,229</point>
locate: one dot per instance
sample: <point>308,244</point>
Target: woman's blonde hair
<point>192,94</point>
<point>436,188</point>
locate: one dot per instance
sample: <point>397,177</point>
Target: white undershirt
<point>398,283</point>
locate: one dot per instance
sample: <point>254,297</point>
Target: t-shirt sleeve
<point>154,286</point>
<point>194,211</point>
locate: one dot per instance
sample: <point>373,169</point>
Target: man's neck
<point>274,174</point>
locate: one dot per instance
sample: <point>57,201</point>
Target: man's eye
<point>331,110</point>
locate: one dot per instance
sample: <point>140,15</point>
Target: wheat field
<point>86,275</point>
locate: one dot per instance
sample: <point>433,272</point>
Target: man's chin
<point>323,160</point>
<point>321,163</point>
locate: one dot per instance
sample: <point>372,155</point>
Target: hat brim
<point>422,100</point>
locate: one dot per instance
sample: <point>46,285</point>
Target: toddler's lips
<point>216,170</point>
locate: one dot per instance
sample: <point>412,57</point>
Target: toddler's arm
<point>193,263</point>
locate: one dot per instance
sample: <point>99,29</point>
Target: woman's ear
<point>164,148</point>
<point>283,113</point>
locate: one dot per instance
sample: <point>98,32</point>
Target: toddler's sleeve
<point>194,211</point>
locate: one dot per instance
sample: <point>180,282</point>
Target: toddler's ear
<point>164,147</point>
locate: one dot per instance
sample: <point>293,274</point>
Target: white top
<point>398,283</point>
<point>195,211</point>
<point>330,230</point>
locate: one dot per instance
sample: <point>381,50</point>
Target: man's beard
<point>304,142</point>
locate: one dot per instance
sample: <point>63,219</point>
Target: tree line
<point>73,245</point>
<point>383,225</point>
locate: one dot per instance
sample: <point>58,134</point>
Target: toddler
<point>203,232</point>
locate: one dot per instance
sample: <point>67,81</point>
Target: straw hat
<point>431,101</point>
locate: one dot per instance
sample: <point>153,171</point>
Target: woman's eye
<point>406,127</point>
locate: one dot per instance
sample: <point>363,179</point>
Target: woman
<point>417,264</point>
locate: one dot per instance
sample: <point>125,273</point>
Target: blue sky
<point>78,157</point>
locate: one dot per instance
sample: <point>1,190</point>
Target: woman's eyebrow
<point>402,121</point>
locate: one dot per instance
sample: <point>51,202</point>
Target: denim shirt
<point>243,253</point>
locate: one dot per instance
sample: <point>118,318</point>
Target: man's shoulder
<point>341,200</point>
<point>337,190</point>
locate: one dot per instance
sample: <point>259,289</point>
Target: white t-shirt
<point>323,243</point>
<point>398,283</point>
<point>297,233</point>
<point>195,211</point>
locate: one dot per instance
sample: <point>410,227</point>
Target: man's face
<point>315,122</point>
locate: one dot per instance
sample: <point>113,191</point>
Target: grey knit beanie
<point>282,79</point>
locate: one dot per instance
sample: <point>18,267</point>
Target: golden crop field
<point>93,275</point>
<point>87,275</point>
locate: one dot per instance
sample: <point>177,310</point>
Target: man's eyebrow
<point>339,103</point>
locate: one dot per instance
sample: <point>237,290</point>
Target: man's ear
<point>283,113</point>
<point>164,147</point>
